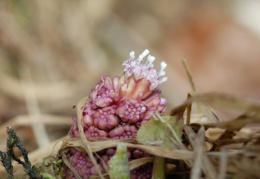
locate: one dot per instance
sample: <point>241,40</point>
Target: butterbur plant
<point>116,109</point>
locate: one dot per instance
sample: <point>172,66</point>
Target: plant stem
<point>158,168</point>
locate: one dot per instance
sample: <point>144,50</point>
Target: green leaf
<point>118,164</point>
<point>160,132</point>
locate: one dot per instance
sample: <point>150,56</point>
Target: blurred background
<point>53,52</point>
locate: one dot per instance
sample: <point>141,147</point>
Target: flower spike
<point>116,109</point>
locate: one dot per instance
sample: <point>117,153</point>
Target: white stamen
<point>163,79</point>
<point>146,52</point>
<point>132,63</point>
<point>163,66</point>
<point>161,73</point>
<point>141,57</point>
<point>132,55</point>
<point>150,60</point>
<point>143,109</point>
<point>153,86</point>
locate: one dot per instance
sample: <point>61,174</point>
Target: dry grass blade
<point>187,69</point>
<point>223,164</point>
<point>193,87</point>
<point>44,92</point>
<point>188,111</point>
<point>221,100</point>
<point>225,135</point>
<point>80,108</point>
<point>198,151</point>
<point>27,120</point>
<point>208,111</point>
<point>139,162</point>
<point>236,124</point>
<point>207,166</point>
<point>243,166</point>
<point>233,141</point>
<point>66,161</point>
<point>154,150</point>
<point>32,106</point>
<point>228,102</point>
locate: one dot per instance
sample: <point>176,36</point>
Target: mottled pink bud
<point>88,116</point>
<point>75,131</point>
<point>81,163</point>
<point>103,101</point>
<point>93,132</point>
<point>105,118</point>
<point>106,82</point>
<point>123,132</point>
<point>136,153</point>
<point>93,170</point>
<point>88,120</point>
<point>103,94</point>
<point>142,172</point>
<point>152,110</point>
<point>153,100</point>
<point>106,156</point>
<point>110,152</point>
<point>131,111</point>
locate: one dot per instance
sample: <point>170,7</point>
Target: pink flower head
<point>118,107</point>
<point>131,99</point>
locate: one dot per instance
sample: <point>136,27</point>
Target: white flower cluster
<point>141,70</point>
